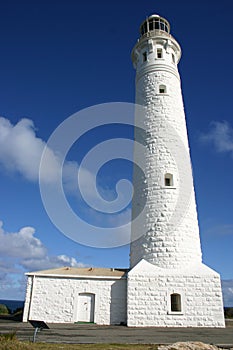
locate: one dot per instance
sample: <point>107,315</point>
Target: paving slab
<point>91,333</point>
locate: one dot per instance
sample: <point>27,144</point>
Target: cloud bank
<point>21,251</point>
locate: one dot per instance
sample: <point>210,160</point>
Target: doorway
<point>86,307</point>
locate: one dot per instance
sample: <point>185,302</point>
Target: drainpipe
<point>31,297</point>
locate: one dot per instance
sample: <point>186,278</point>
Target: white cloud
<point>21,244</point>
<point>227,288</point>
<point>21,151</point>
<point>29,250</point>
<point>21,251</point>
<point>220,135</point>
<point>50,262</point>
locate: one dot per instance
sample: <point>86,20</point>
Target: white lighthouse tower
<point>168,285</point>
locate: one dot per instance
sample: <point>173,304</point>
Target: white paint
<point>150,288</point>
<point>55,299</point>
<point>86,307</point>
<point>167,259</point>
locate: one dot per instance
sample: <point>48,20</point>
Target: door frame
<point>92,310</point>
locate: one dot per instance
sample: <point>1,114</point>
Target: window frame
<point>176,305</point>
<point>164,88</point>
<point>159,53</point>
<point>181,296</point>
<point>169,176</point>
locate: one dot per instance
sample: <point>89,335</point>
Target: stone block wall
<point>149,297</point>
<point>55,299</point>
<point>169,235</point>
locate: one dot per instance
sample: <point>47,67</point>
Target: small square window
<point>162,89</point>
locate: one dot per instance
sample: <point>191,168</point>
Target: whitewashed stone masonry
<point>166,261</point>
<point>54,299</point>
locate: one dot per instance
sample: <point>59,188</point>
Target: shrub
<point>4,310</point>
<point>228,311</point>
<point>8,336</point>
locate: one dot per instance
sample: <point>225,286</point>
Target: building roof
<point>81,271</point>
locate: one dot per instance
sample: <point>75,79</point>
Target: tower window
<point>168,180</point>
<point>159,53</point>
<point>162,89</point>
<point>151,27</point>
<point>173,58</point>
<point>175,302</point>
<point>144,56</point>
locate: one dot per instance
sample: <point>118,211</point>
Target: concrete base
<point>149,297</point>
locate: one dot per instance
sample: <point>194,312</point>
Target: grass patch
<point>11,343</point>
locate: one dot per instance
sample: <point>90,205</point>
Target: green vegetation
<point>9,342</point>
<point>228,312</point>
<point>4,310</point>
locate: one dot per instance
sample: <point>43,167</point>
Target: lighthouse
<point>168,285</point>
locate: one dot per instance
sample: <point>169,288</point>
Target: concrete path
<point>89,333</point>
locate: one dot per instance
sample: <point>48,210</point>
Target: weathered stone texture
<point>150,288</point>
<point>55,299</point>
<point>165,254</point>
<point>170,235</point>
<point>188,346</point>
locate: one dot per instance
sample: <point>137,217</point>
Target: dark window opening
<point>159,53</point>
<point>157,25</point>
<point>173,58</point>
<point>144,55</point>
<point>176,302</point>
<point>162,26</point>
<point>168,180</point>
<point>162,89</point>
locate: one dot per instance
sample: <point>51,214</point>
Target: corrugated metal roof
<point>82,271</point>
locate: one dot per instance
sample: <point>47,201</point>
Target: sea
<point>12,304</point>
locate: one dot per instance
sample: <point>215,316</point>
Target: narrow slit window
<point>175,302</point>
<point>162,89</point>
<point>159,53</point>
<point>173,58</point>
<point>144,56</point>
<point>168,180</point>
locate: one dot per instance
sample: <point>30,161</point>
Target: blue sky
<point>60,57</point>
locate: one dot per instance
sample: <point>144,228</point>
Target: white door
<point>86,307</point>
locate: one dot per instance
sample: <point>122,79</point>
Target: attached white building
<point>68,295</point>
<point>167,284</point>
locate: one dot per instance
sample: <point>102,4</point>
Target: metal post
<point>35,332</point>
